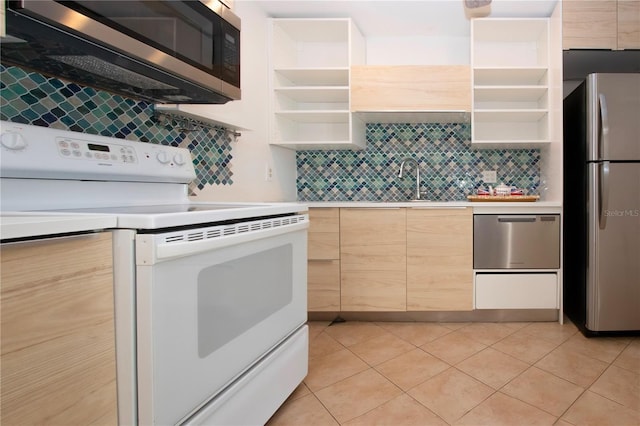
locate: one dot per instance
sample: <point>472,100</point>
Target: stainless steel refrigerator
<point>601,251</point>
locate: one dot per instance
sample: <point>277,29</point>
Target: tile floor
<point>386,373</point>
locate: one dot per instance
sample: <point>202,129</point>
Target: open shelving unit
<point>309,83</point>
<point>511,82</point>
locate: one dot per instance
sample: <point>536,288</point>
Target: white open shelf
<point>315,116</point>
<point>310,89</point>
<point>312,98</point>
<point>498,76</point>
<point>510,62</point>
<point>311,77</point>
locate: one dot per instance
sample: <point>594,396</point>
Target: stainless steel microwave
<point>164,51</point>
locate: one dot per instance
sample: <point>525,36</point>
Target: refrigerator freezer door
<point>613,102</point>
<point>613,269</point>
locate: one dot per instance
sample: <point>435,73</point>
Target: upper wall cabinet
<point>511,81</point>
<point>385,90</point>
<point>628,24</point>
<point>601,24</point>
<point>309,83</point>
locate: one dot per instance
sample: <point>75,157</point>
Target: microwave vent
<point>108,70</point>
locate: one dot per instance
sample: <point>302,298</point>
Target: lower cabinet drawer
<point>516,291</point>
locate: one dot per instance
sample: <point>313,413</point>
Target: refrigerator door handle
<point>603,194</point>
<point>603,137</point>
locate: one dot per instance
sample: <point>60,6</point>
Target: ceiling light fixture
<point>477,8</point>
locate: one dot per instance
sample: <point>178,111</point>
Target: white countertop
<point>25,225</point>
<point>478,207</point>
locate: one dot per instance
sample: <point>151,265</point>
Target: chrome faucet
<point>412,160</point>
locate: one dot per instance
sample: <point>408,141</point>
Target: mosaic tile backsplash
<point>31,98</point>
<point>450,168</point>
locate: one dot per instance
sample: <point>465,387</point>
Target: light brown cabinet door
<point>58,343</point>
<point>440,260</point>
<point>373,259</point>
<point>589,24</point>
<point>411,88</point>
<point>628,24</point>
<point>324,233</point>
<point>323,286</point>
<point>323,267</point>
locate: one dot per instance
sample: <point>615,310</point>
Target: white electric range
<point>210,297</point>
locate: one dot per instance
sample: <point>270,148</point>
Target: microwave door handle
<point>603,193</point>
<point>603,136</point>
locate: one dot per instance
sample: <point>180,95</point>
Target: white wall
<point>252,152</point>
<point>427,50</point>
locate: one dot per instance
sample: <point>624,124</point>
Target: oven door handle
<point>149,251</point>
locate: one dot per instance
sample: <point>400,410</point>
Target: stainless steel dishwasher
<point>516,241</point>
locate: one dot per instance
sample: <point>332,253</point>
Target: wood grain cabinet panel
<point>411,88</point>
<point>324,233</point>
<point>58,343</point>
<point>323,286</point>
<point>439,260</point>
<point>628,24</point>
<point>373,259</point>
<point>323,267</point>
<point>589,24</point>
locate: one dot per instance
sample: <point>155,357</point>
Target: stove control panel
<point>44,153</point>
<point>84,150</point>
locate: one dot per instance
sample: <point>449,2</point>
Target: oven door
<point>210,304</point>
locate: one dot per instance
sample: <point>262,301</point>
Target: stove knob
<point>178,159</point>
<point>163,157</point>
<point>13,141</point>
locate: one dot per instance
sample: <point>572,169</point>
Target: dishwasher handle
<point>518,218</point>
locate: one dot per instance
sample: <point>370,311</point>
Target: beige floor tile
<point>329,369</point>
<point>411,368</point>
<point>451,394</point>
<point>351,332</point>
<point>306,411</point>
<point>516,325</point>
<point>453,347</point>
<point>400,411</point>
<point>492,367</point>
<point>619,385</point>
<point>551,331</point>
<point>572,366</point>
<point>357,395</point>
<point>605,349</point>
<point>525,347</point>
<point>561,422</point>
<point>594,410</point>
<point>487,333</point>
<point>630,357</point>
<point>543,390</point>
<point>501,409</point>
<point>316,327</point>
<point>323,344</point>
<point>381,348</point>
<point>416,333</point>
<point>299,392</point>
<point>454,325</point>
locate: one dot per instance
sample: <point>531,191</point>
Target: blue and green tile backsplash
<point>450,168</point>
<point>31,98</point>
